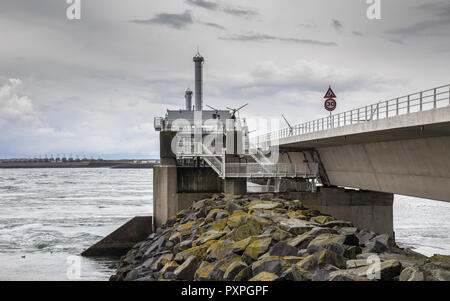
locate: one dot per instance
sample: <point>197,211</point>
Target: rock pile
<point>266,237</point>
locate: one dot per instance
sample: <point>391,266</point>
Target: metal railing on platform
<point>421,101</point>
<point>278,170</point>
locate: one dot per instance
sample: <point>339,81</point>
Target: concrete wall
<point>365,209</point>
<point>123,239</point>
<point>200,179</point>
<point>235,186</point>
<point>170,196</point>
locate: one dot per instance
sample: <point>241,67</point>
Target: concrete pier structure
<point>365,209</point>
<point>175,188</point>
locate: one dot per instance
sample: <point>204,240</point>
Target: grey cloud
<point>204,4</point>
<point>256,37</point>
<point>357,33</point>
<point>440,12</point>
<point>336,24</point>
<point>438,8</point>
<point>232,10</point>
<point>239,11</point>
<point>177,21</point>
<point>420,27</point>
<point>215,25</point>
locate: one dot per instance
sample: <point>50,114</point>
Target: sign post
<point>330,102</point>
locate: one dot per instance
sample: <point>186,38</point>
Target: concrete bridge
<point>399,146</point>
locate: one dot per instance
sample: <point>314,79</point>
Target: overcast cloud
<point>93,86</point>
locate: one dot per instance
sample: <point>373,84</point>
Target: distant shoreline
<point>81,164</point>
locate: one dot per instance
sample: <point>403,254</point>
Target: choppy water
<point>49,215</point>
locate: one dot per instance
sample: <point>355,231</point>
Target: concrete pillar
<point>164,193</point>
<point>235,186</point>
<point>365,209</point>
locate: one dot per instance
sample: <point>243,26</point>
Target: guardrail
<point>281,170</point>
<point>421,101</point>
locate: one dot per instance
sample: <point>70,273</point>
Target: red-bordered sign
<point>330,94</point>
<point>330,104</point>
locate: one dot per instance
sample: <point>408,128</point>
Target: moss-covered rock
<point>322,219</point>
<point>219,249</point>
<point>258,247</point>
<point>187,270</point>
<point>201,274</point>
<point>197,250</point>
<point>264,276</point>
<point>208,236</point>
<point>251,228</point>
<point>266,237</point>
<point>234,269</point>
<point>332,258</point>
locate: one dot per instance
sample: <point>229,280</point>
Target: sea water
<point>49,216</point>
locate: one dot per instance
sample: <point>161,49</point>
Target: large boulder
<point>296,226</point>
<point>309,263</point>
<point>234,269</point>
<point>265,276</point>
<point>251,228</point>
<point>203,271</point>
<point>187,270</point>
<point>387,270</point>
<point>283,249</point>
<point>208,236</point>
<point>258,247</point>
<point>412,274</point>
<point>271,264</point>
<point>219,249</point>
<point>322,219</point>
<point>267,205</point>
<point>328,257</point>
<point>168,270</point>
<point>294,274</point>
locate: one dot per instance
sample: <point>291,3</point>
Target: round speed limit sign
<point>330,104</point>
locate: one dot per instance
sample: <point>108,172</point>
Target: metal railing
<point>278,170</point>
<point>438,97</point>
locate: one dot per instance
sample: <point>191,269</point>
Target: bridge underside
<point>410,160</point>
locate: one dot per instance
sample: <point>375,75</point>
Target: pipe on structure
<point>188,98</point>
<point>198,59</point>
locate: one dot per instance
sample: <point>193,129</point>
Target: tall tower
<point>198,59</point>
<point>188,98</point>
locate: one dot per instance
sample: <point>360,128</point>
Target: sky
<point>91,87</point>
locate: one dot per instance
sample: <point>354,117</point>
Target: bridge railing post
<point>407,104</point>
<point>378,110</point>
<point>421,101</point>
<point>387,108</point>
<point>434,99</point>
<point>396,107</point>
